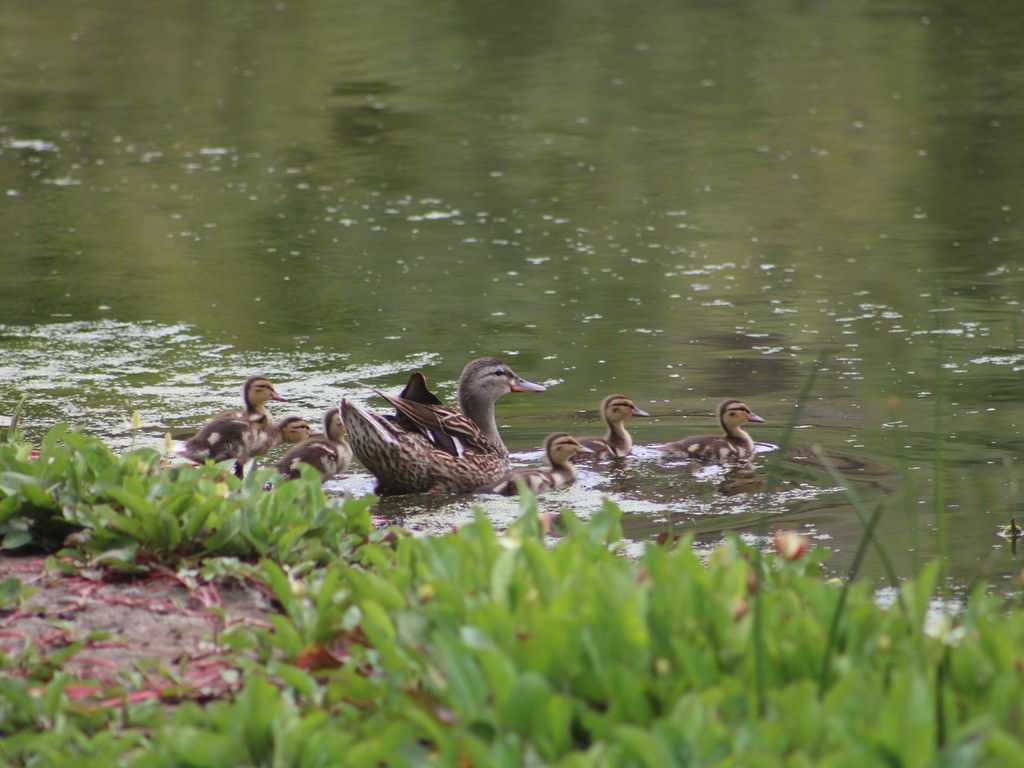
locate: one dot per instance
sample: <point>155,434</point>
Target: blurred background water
<point>677,201</point>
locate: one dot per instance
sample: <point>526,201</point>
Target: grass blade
<point>862,515</point>
<point>851,574</point>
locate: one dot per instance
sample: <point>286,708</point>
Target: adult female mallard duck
<point>328,455</point>
<point>432,448</point>
<point>559,449</point>
<point>242,439</point>
<point>617,442</point>
<point>734,444</point>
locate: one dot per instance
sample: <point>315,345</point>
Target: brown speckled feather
<point>416,391</point>
<point>431,420</point>
<point>407,462</point>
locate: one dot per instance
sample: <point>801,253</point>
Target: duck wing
<point>416,391</point>
<point>445,428</point>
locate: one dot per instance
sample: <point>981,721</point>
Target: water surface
<point>685,204</point>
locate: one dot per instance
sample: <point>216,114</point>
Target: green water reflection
<point>685,203</point>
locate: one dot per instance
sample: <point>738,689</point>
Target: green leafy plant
<point>494,648</point>
<point>500,650</point>
<point>128,511</point>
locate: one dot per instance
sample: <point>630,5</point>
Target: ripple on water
<point>95,374</point>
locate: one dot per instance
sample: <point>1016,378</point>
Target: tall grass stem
<point>862,514</point>
<point>771,479</point>
<point>851,574</point>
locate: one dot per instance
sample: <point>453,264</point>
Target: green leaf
<point>376,623</point>
<point>15,539</point>
<point>17,483</point>
<point>304,683</point>
<point>281,585</point>
<point>643,746</point>
<point>538,714</point>
<point>12,590</point>
<point>197,516</point>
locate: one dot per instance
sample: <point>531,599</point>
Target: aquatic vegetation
<point>503,649</point>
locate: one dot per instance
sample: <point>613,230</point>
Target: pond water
<point>683,204</point>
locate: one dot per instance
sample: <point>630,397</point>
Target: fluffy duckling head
<point>561,447</point>
<point>258,390</point>
<point>618,408</point>
<point>334,426</point>
<point>294,429</point>
<point>733,413</point>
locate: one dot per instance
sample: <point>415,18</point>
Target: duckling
<point>328,455</point>
<point>256,392</point>
<point>241,439</point>
<point>617,442</point>
<point>559,449</point>
<point>735,444</point>
<point>220,440</point>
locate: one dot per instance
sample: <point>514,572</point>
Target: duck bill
<point>520,384</point>
<point>754,418</point>
<point>638,412</point>
<point>278,398</point>
<point>583,449</point>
